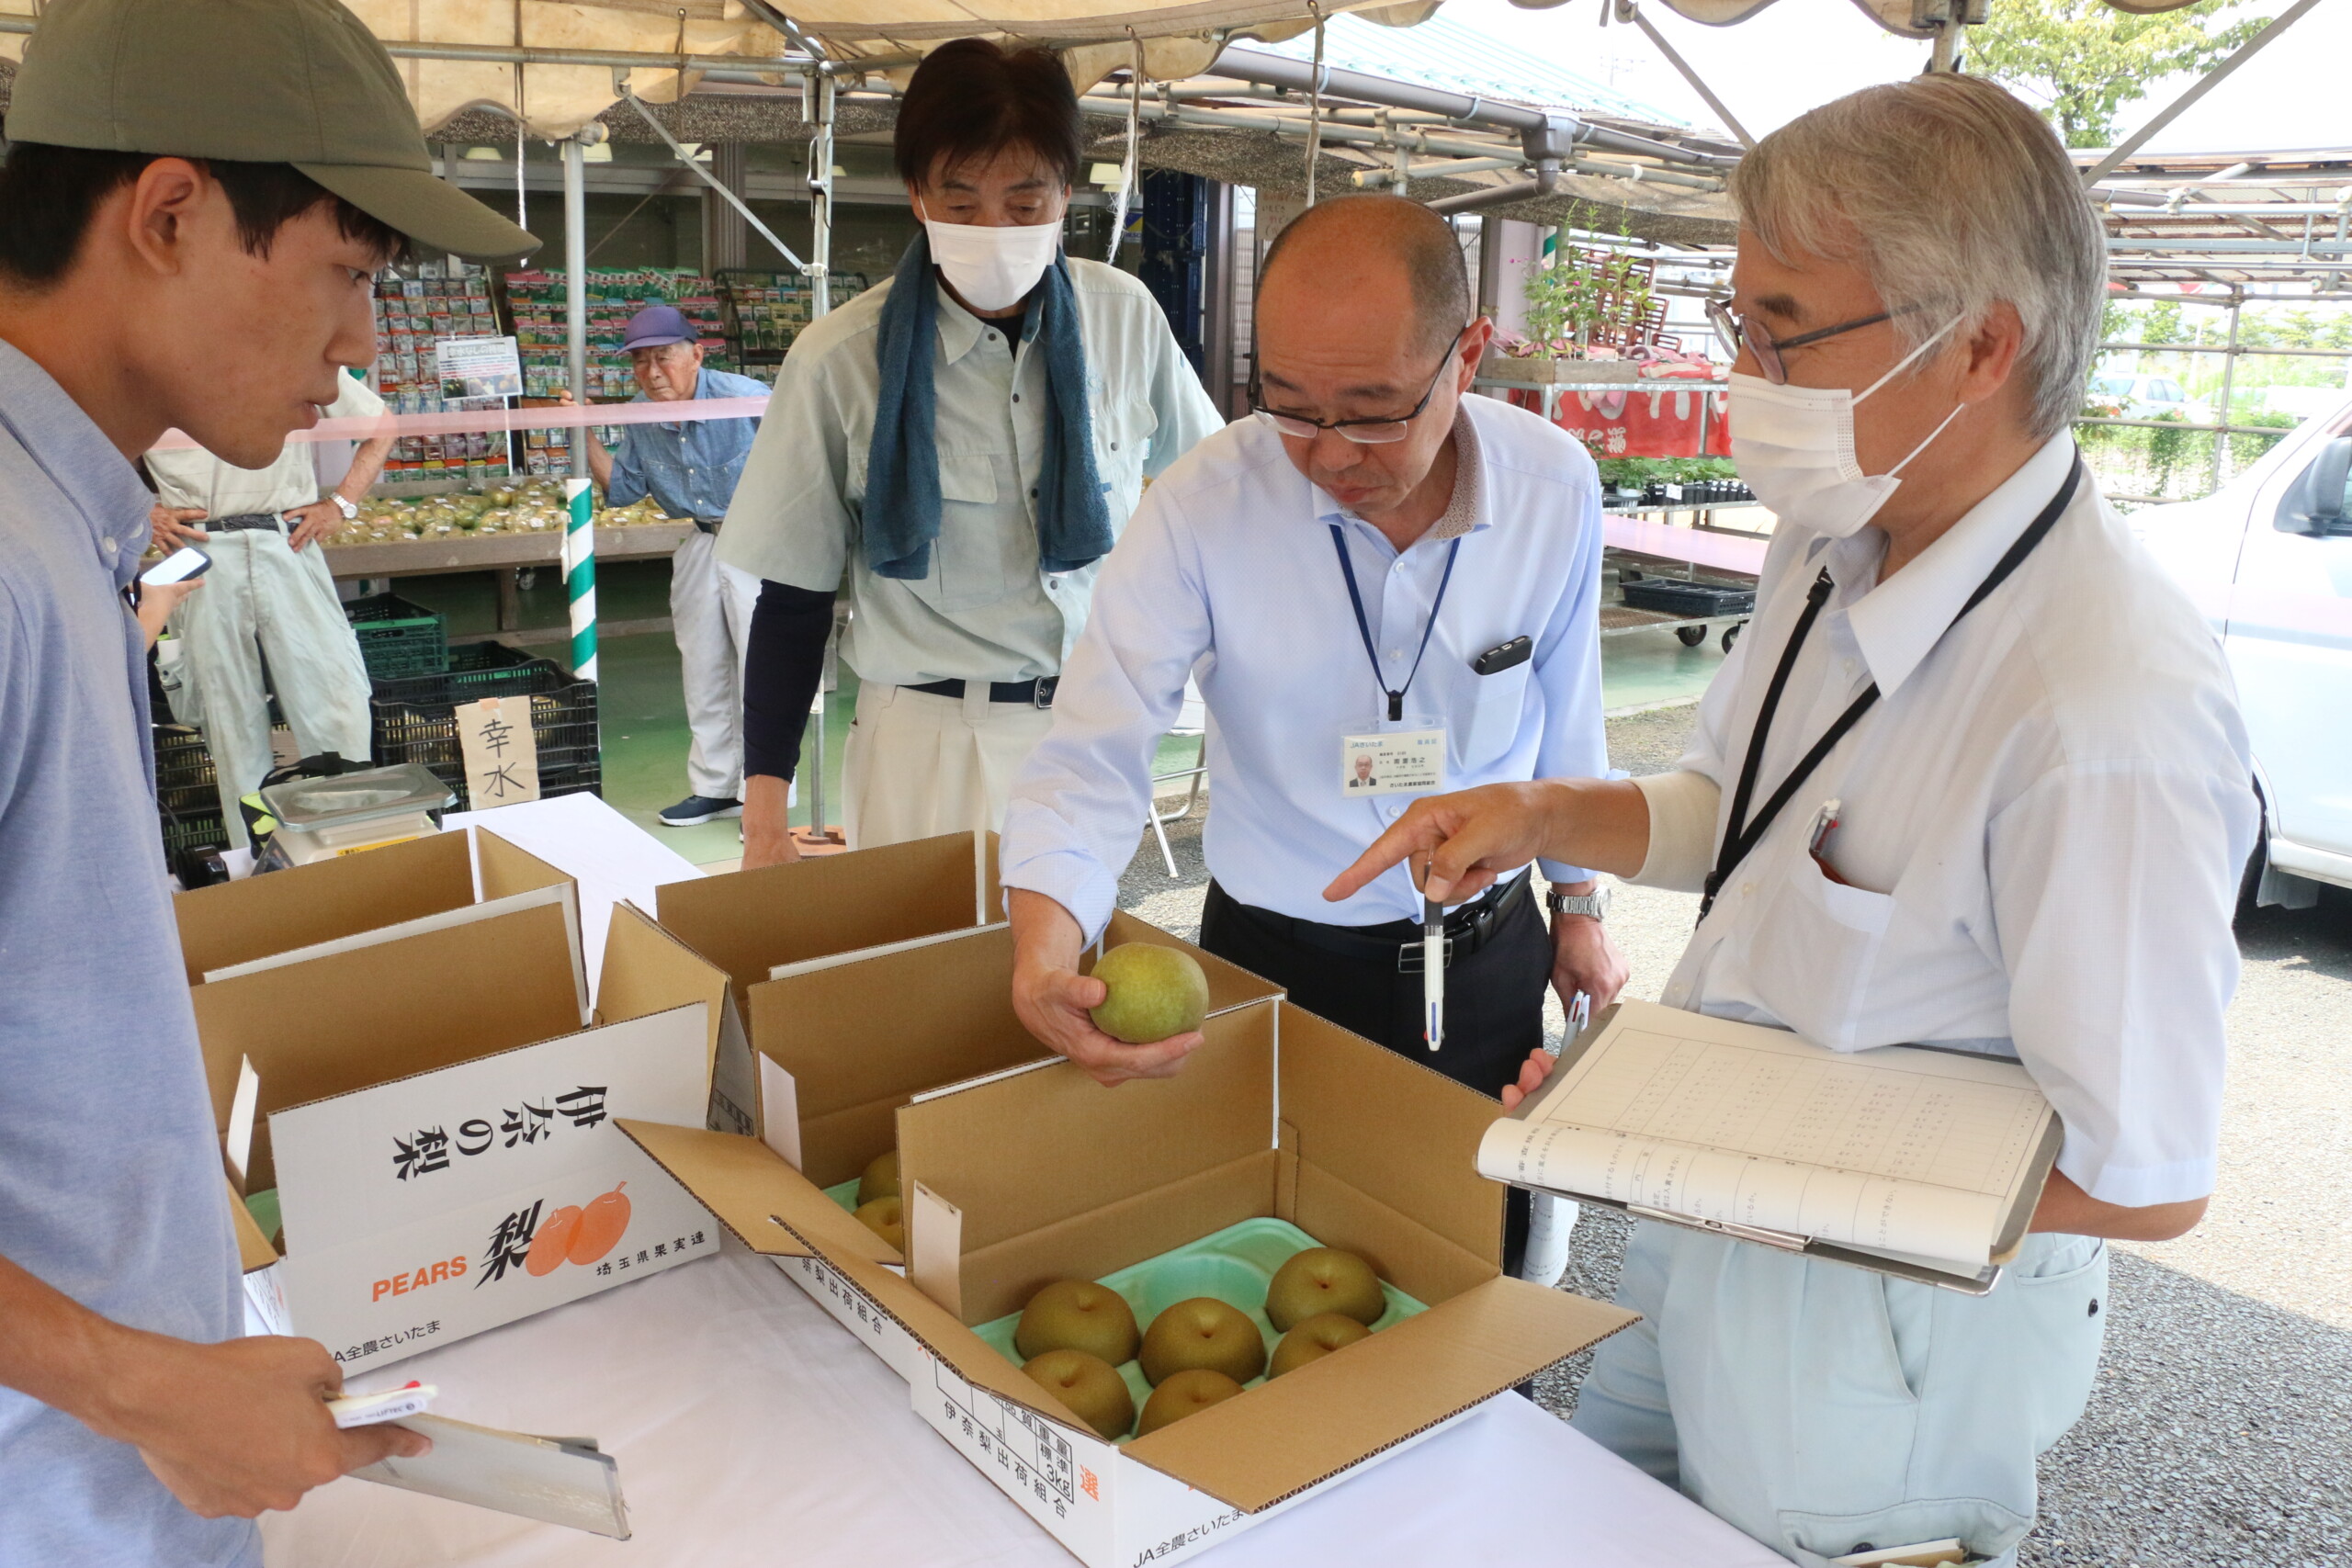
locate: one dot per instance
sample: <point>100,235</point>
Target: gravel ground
<point>2220,1431</point>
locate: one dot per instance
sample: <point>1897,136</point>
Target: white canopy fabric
<point>1894,16</point>
<point>1179,39</point>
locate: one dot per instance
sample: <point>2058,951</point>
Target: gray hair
<point>1951,195</point>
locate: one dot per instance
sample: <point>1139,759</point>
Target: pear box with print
<point>431,1120</point>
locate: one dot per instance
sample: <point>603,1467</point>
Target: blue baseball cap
<point>656,325</point>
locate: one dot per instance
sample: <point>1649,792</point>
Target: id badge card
<point>1392,762</point>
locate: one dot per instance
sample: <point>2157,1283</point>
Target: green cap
<point>298,82</point>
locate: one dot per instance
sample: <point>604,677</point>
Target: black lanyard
<point>1737,839</point>
<point>1363,626</point>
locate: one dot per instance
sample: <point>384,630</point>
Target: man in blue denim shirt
<point>689,469</point>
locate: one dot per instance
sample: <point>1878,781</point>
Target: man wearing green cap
<point>195,200</point>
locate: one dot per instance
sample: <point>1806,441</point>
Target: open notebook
<point>1915,1161</point>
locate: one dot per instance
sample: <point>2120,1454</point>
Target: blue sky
<point>1798,54</point>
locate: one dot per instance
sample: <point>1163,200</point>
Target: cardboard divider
<point>331,1025</point>
<point>1349,1101</point>
<point>747,922</point>
<point>236,922</point>
<point>999,1279</point>
<point>1104,1146</point>
<point>648,970</point>
<point>864,1036</point>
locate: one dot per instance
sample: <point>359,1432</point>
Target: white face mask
<point>1794,447</point>
<point>993,268</point>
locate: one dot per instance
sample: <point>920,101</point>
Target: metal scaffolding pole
<point>2229,375</point>
<point>575,281</point>
<point>819,271</point>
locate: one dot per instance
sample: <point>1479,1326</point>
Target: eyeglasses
<point>1363,432</point>
<point>1735,330</point>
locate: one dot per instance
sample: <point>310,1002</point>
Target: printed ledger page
<point>1896,1149</point>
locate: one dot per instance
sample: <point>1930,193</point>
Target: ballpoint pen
<point>1433,971</point>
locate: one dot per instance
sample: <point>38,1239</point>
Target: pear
<point>1078,1314</point>
<point>1203,1332</point>
<point>1182,1395</point>
<point>1155,992</point>
<point>1322,1280</point>
<point>1313,1339</point>
<point>1090,1385</point>
<point>881,1178</point>
<point>887,1218</point>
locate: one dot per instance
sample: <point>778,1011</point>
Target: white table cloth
<point>753,1432</point>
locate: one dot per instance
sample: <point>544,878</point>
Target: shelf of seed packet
<point>763,313</point>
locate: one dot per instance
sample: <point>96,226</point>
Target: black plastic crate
<point>398,639</point>
<point>1676,597</point>
<point>416,720</point>
<point>184,782</point>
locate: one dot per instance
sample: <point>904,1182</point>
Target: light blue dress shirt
<point>689,468</point>
<point>111,1188</point>
<point>1227,574</point>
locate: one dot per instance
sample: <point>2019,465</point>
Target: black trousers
<point>1494,1000</point>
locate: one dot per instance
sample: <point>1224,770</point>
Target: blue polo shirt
<point>110,1180</point>
<point>689,468</point>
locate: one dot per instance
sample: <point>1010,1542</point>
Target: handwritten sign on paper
<point>502,756</point>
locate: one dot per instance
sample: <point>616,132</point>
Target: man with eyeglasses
<point>1385,587</point>
<point>1975,778</point>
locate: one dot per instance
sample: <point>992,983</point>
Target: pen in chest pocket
<point>1825,822</point>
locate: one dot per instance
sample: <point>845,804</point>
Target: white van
<point>2268,559</point>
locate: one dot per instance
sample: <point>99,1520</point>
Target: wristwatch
<point>1595,903</point>
<point>348,510</point>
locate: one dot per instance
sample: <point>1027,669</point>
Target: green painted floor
<point>643,710</point>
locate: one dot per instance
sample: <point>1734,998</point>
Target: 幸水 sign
<point>501,754</point>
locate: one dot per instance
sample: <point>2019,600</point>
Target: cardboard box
<point>437,1112</point>
<point>1039,1174</point>
<point>785,922</point>
<point>833,1048</point>
<point>308,911</point>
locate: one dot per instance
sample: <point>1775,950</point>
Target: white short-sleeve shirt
<point>2042,825</point>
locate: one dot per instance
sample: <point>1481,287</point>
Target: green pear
<point>881,1178</point>
<point>1313,1339</point>
<point>1183,1394</point>
<point>1091,1386</point>
<point>1322,1280</point>
<point>1203,1332</point>
<point>1078,1314</point>
<point>1155,992</point>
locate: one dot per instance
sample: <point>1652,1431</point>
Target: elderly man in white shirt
<point>1383,586</point>
<point>1974,778</point>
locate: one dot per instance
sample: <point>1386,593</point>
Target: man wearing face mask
<point>1384,585</point>
<point>1974,778</point>
<point>957,450</point>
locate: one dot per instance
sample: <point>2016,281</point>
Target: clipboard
<point>1922,1270</point>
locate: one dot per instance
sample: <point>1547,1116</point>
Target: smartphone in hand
<point>178,566</point>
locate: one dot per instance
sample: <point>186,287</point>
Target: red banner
<point>1648,419</point>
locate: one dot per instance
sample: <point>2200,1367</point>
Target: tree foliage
<point>2082,61</point>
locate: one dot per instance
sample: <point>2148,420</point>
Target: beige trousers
<point>918,765</point>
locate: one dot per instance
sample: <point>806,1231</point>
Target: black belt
<point>708,524</point>
<point>1038,694</point>
<point>1398,942</point>
<point>273,521</point>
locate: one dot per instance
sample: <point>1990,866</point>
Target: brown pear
<point>1313,1339</point>
<point>1322,1280</point>
<point>1183,1394</point>
<point>886,1217</point>
<point>1078,1314</point>
<point>1091,1386</point>
<point>1203,1333</point>
<point>880,1180</point>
